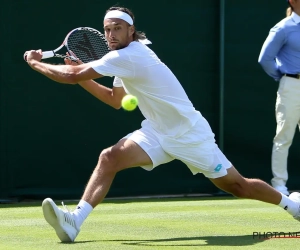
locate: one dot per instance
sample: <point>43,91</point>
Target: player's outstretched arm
<point>69,74</point>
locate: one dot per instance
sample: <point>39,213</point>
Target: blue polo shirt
<point>280,53</point>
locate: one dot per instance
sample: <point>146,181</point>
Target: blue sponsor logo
<point>218,168</point>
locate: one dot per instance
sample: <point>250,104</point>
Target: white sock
<point>81,212</point>
<point>289,205</point>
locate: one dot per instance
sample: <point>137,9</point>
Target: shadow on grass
<point>238,240</point>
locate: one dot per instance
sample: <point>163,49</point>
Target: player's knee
<point>104,156</point>
<point>108,161</point>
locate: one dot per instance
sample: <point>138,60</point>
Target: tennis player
<point>172,128</point>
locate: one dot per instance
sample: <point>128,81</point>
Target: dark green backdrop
<point>52,134</point>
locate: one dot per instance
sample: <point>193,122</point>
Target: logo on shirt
<point>218,168</point>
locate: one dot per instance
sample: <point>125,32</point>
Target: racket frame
<point>52,53</point>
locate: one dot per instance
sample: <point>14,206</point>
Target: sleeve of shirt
<point>272,45</point>
<point>114,64</point>
<point>117,82</point>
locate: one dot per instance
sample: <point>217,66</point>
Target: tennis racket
<point>86,43</point>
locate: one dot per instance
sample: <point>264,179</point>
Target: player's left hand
<point>33,55</point>
<point>70,62</point>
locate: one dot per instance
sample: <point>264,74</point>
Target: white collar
<point>295,17</point>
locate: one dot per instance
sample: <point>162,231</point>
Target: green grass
<point>188,223</point>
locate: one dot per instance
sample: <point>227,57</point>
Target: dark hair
<point>137,34</point>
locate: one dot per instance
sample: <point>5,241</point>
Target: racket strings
<point>87,44</point>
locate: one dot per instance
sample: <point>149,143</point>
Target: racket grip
<point>48,54</point>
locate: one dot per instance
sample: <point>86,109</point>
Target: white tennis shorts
<point>196,148</point>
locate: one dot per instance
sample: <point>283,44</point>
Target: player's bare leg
<point>124,154</point>
<point>242,187</point>
<point>256,189</point>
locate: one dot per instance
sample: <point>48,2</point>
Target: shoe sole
<point>51,217</point>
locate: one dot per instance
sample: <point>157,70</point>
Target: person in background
<point>280,59</point>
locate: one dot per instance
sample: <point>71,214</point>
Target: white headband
<point>119,14</point>
<point>124,16</point>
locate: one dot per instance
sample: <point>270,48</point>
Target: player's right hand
<point>33,55</point>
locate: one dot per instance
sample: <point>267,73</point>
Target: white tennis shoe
<point>61,220</point>
<point>295,196</point>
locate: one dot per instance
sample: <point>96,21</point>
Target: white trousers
<point>287,113</point>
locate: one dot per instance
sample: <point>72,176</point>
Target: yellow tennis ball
<point>129,102</point>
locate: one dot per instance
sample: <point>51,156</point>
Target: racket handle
<point>48,54</point>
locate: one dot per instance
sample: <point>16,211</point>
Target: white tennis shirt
<point>162,100</point>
